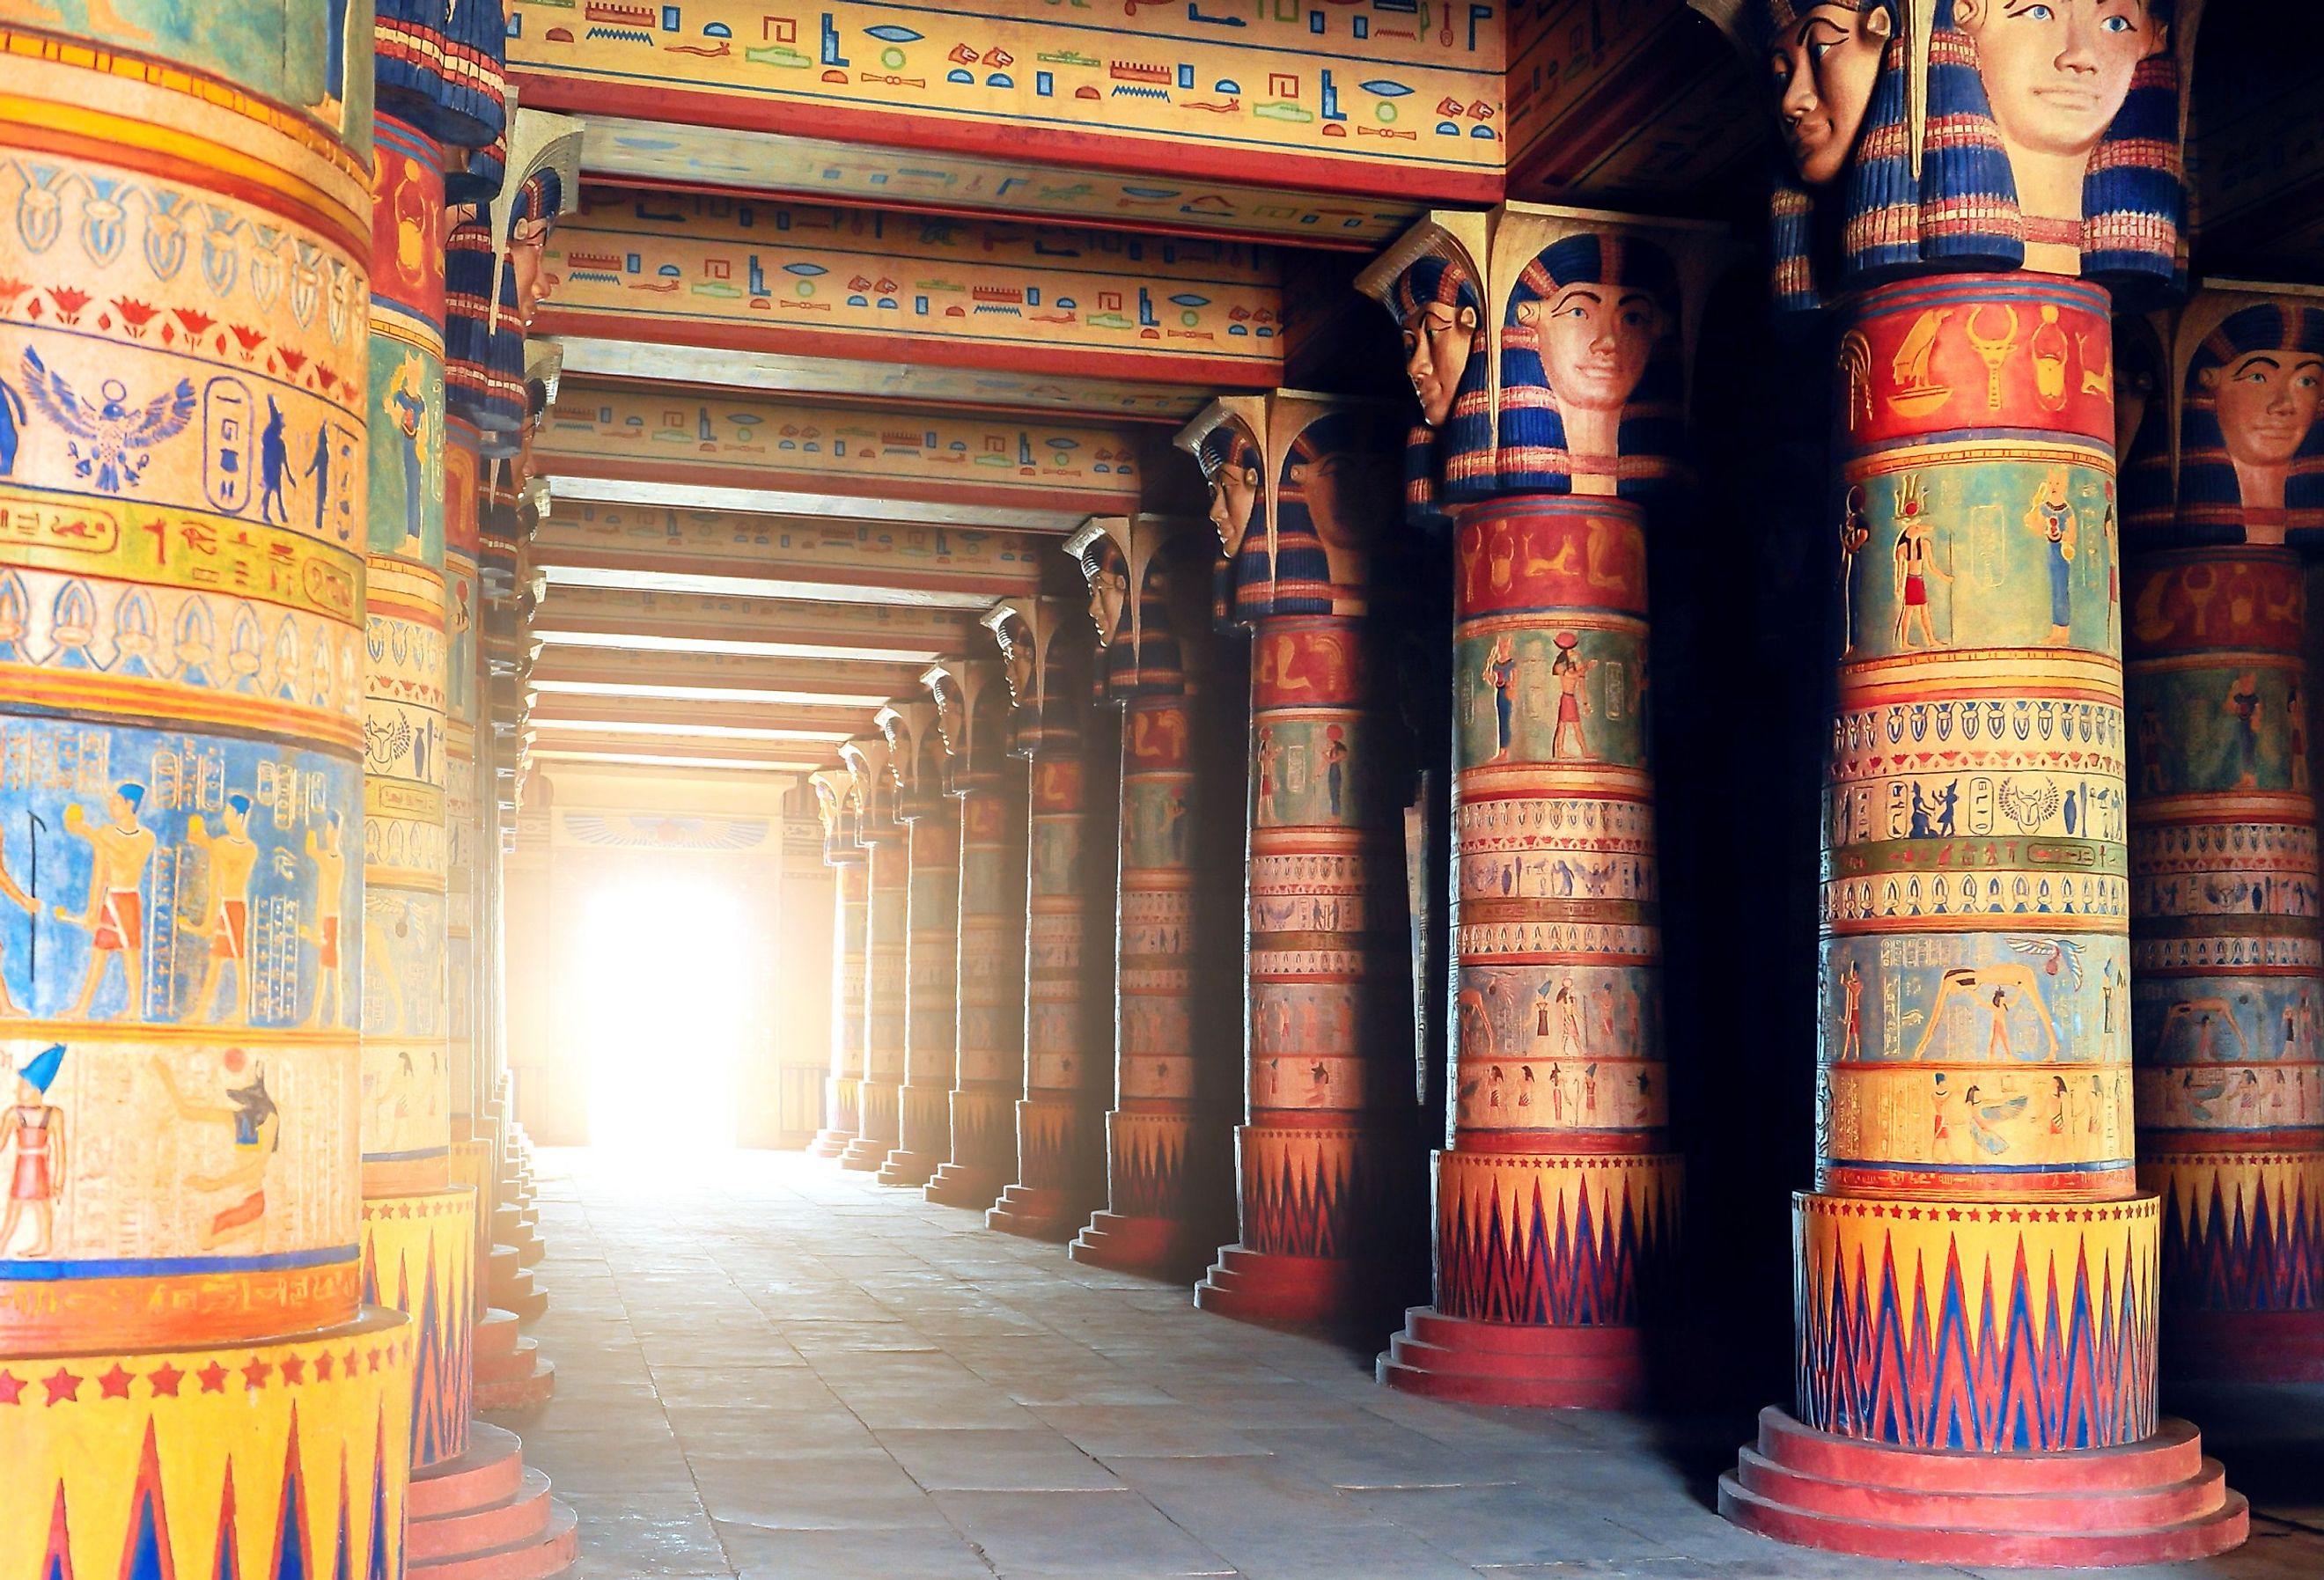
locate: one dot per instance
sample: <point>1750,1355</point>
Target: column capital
<point>866,757</point>
<point>1549,348</point>
<point>841,813</point>
<point>2216,417</point>
<point>972,698</point>
<point>1160,560</point>
<point>1303,487</point>
<point>916,756</point>
<point>1045,645</point>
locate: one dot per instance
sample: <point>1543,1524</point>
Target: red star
<point>165,1379</point>
<point>213,1378</point>
<point>254,1376</point>
<point>294,1370</point>
<point>323,1367</point>
<point>116,1383</point>
<point>62,1386</point>
<point>371,1354</point>
<point>10,1388</point>
<point>348,1362</point>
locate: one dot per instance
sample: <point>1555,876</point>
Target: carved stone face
<point>1825,66</point>
<point>528,241</point>
<point>2266,404</point>
<point>1437,344</point>
<point>1017,662</point>
<point>1595,343</point>
<point>1235,490</point>
<point>1109,593</point>
<point>2056,71</point>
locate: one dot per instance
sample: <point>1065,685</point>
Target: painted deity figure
<point>328,853</point>
<point>115,915</point>
<point>35,1128</point>
<point>225,919</point>
<point>2251,450</point>
<point>1569,672</point>
<point>1590,369</point>
<point>1500,675</point>
<point>1914,556</point>
<point>2052,515</point>
<point>253,1126</point>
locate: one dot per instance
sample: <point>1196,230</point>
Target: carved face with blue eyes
<point>2266,402</point>
<point>1825,65</point>
<point>2056,71</point>
<point>1595,340</point>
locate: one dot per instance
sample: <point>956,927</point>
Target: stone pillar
<point>419,1223</point>
<point>972,717</point>
<point>1976,1269</point>
<point>1167,1196</point>
<point>924,803</point>
<point>1332,1199</point>
<point>1068,988</point>
<point>835,796</point>
<point>181,606</point>
<point>2227,950</point>
<point>1557,1201</point>
<point>888,881</point>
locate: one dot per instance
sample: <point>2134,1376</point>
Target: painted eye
<point>2037,13</point>
<point>2115,23</point>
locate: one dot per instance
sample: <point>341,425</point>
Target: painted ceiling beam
<point>818,683</point>
<point>703,449</point>
<point>623,620</point>
<point>584,544</point>
<point>1325,122</point>
<point>757,294</point>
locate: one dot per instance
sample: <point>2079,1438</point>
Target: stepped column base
<point>485,1516</point>
<point>973,1188</point>
<point>510,1374</point>
<point>877,1105</point>
<point>1512,1364</point>
<point>1162,1248</point>
<point>1056,1215</point>
<point>2158,1502</point>
<point>907,1169</point>
<point>1260,1286</point>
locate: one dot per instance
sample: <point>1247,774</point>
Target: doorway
<point>659,1008</point>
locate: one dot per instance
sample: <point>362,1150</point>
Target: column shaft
<point>2227,960</point>
<point>888,880</point>
<point>850,905</point>
<point>182,448</point>
<point>931,1004</point>
<point>991,1071</point>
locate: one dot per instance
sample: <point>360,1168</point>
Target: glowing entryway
<point>658,1005</point>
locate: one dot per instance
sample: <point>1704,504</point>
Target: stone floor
<point>766,1367</point>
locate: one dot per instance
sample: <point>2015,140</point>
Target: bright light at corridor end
<point>658,1003</point>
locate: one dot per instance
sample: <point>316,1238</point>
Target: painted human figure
<point>115,917</point>
<point>273,465</point>
<point>330,860</point>
<point>1915,559</point>
<point>1335,760</point>
<point>318,473</point>
<point>1852,1024</point>
<point>406,407</point>
<point>1265,758</point>
<point>35,1128</point>
<point>1569,672</point>
<point>1825,59</point>
<point>1855,534</point>
<point>2051,514</point>
<point>2243,705</point>
<point>1501,673</point>
<point>255,1130</point>
<point>225,920</point>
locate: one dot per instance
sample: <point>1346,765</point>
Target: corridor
<point>769,1368</point>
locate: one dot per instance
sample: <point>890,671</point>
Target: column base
<point>1511,1363</point>
<point>1260,1285</point>
<point>510,1372</point>
<point>1055,1216</point>
<point>829,1143</point>
<point>2159,1502</point>
<point>112,1456</point>
<point>877,1104</point>
<point>1160,1248</point>
<point>2242,1346</point>
<point>508,1285</point>
<point>953,1186</point>
<point>485,1516</point>
<point>864,1152</point>
<point>909,1170</point>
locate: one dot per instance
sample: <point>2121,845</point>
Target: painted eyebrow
<point>2260,358</point>
<point>1627,297</point>
<point>1571,292</point>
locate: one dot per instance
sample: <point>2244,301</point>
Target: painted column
<point>1976,1269</point>
<point>924,802</point>
<point>972,717</point>
<point>1166,1138</point>
<point>1544,437</point>
<point>842,850</point>
<point>1068,988</point>
<point>419,1228</point>
<point>2226,949</point>
<point>888,881</point>
<point>1332,1200</point>
<point>190,1381</point>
